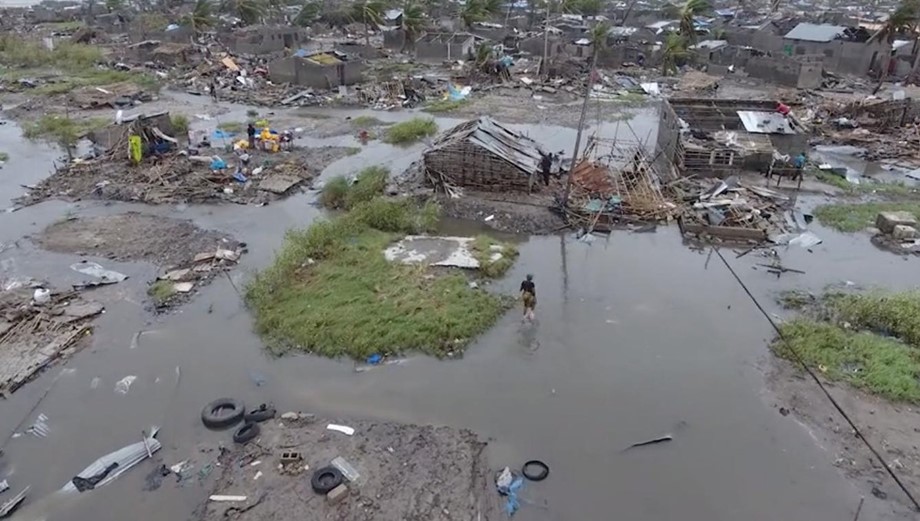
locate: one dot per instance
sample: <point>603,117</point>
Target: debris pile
<point>36,327</point>
<point>897,232</point>
<point>179,281</point>
<point>616,182</point>
<point>729,210</point>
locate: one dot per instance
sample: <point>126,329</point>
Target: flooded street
<point>637,336</point>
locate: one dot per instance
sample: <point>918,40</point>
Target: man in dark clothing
<point>545,164</point>
<point>529,296</point>
<point>251,132</point>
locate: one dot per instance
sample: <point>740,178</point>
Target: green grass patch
<point>350,151</point>
<point>495,257</point>
<point>367,121</point>
<point>62,131</point>
<point>232,126</point>
<point>161,291</point>
<point>331,291</point>
<point>853,217</point>
<point>864,187</point>
<point>180,123</point>
<point>890,314</point>
<point>878,364</point>
<point>341,194</point>
<point>410,131</point>
<point>4,156</point>
<point>445,105</point>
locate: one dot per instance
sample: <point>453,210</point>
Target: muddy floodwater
<point>637,335</point>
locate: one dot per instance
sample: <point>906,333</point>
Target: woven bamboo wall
<point>464,164</point>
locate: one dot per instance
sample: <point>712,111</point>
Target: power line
<point>814,377</point>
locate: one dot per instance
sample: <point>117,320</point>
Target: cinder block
<point>886,221</point>
<point>337,494</point>
<point>902,232</point>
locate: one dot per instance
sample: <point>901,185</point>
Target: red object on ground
<point>782,108</point>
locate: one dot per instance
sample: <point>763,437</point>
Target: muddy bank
<point>405,472</point>
<point>505,212</point>
<point>891,428</point>
<point>179,179</point>
<point>189,256</point>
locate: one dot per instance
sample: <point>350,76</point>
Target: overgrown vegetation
<point>79,63</point>
<point>180,123</point>
<point>495,257</point>
<point>870,340</point>
<point>442,106</point>
<point>892,189</point>
<point>231,126</point>
<point>161,291</point>
<point>341,194</point>
<point>60,130</point>
<point>410,131</point>
<point>853,217</point>
<point>332,292</point>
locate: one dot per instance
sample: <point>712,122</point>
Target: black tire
<point>326,479</point>
<point>263,413</point>
<point>223,413</point>
<point>535,470</point>
<point>246,433</point>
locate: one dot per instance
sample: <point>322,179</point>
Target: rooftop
<point>816,32</point>
<point>515,148</point>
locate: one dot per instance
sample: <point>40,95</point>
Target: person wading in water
<point>529,296</point>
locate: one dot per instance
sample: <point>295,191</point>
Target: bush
<point>339,194</point>
<point>482,248</point>
<point>4,156</point>
<point>180,123</point>
<point>410,131</point>
<point>334,193</point>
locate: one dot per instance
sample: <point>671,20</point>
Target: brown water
<point>636,337</point>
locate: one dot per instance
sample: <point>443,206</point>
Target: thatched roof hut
<point>483,155</point>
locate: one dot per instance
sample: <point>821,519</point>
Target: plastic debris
<point>114,464</point>
<point>40,428</point>
<point>124,384</point>
<point>349,472</point>
<point>10,505</point>
<point>41,296</point>
<point>344,429</point>
<point>4,486</point>
<point>227,498</point>
<point>374,359</point>
<point>508,484</point>
<point>96,271</point>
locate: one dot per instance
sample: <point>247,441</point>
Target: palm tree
<point>590,7</point>
<point>673,52</point>
<point>249,11</point>
<point>413,21</point>
<point>903,19</point>
<point>308,14</point>
<point>368,12</point>
<point>690,10</point>
<point>201,17</point>
<point>598,36</point>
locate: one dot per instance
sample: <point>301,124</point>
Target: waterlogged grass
<point>367,121</point>
<point>880,365</point>
<point>869,340</point>
<point>161,291</point>
<point>442,106</point>
<point>853,217</point>
<point>865,187</point>
<point>232,126</point>
<point>495,257</point>
<point>180,123</point>
<point>4,157</point>
<point>341,194</point>
<point>410,131</point>
<point>330,291</point>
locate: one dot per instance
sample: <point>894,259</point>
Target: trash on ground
<point>346,469</point>
<point>653,441</point>
<point>109,467</point>
<point>97,271</point>
<point>535,470</point>
<point>227,498</point>
<point>508,484</point>
<point>326,479</point>
<point>4,486</point>
<point>13,503</point>
<point>40,427</point>
<point>344,429</point>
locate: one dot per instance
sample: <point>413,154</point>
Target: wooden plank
<point>725,232</point>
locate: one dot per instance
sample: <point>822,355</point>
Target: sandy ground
<point>407,472</point>
<point>891,428</point>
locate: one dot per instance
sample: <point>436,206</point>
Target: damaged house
<point>152,128</point>
<point>263,39</point>
<point>320,70</point>
<point>444,46</point>
<point>483,155</point>
<point>844,50</point>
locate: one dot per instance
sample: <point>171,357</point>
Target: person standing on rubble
<point>546,163</point>
<point>214,89</point>
<point>529,296</point>
<point>251,132</point>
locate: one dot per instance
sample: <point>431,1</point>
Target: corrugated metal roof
<point>815,32</point>
<point>515,148</point>
<point>765,122</point>
<point>711,44</point>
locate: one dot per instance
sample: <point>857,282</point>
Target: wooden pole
<point>581,125</point>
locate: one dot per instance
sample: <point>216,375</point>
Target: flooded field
<point>637,335</point>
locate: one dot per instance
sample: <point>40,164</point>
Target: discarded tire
<point>326,479</point>
<point>263,413</point>
<point>246,433</point>
<point>535,470</point>
<point>222,413</point>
